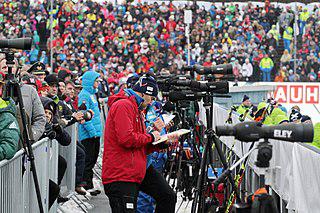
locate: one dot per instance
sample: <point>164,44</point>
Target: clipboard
<point>165,137</point>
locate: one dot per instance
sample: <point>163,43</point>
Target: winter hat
<point>63,74</point>
<point>146,85</point>
<point>132,80</point>
<point>305,118</point>
<point>294,116</point>
<point>245,97</point>
<point>52,79</point>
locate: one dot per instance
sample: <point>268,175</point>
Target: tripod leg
<point>27,145</point>
<point>199,191</point>
<point>179,172</point>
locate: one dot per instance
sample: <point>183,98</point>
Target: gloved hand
<point>56,125</point>
<point>49,132</point>
<point>234,108</point>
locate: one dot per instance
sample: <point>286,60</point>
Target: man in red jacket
<point>126,145</point>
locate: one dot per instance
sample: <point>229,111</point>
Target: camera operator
<point>9,129</point>
<point>54,130</point>
<point>126,147</point>
<point>32,103</point>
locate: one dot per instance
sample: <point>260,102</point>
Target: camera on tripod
<point>251,132</point>
<point>13,90</point>
<point>183,87</point>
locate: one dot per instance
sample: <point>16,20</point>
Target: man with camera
<point>127,144</point>
<point>32,103</point>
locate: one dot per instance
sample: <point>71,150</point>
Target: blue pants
<point>302,25</point>
<point>266,75</point>
<point>287,43</point>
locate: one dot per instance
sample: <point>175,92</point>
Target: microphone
<point>17,43</point>
<point>253,131</point>
<point>175,96</point>
<point>225,69</point>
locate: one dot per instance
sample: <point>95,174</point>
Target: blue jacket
<point>87,95</point>
<point>156,159</point>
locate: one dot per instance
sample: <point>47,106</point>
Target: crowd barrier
<point>17,191</point>
<point>70,153</point>
<point>294,172</point>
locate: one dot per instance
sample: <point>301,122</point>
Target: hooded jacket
<point>126,143</point>
<point>87,96</point>
<point>9,129</point>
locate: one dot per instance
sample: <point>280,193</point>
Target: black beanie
<point>52,79</point>
<point>294,116</point>
<point>245,97</point>
<point>305,118</point>
<point>146,85</point>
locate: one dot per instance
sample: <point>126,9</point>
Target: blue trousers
<point>266,75</point>
<point>287,43</point>
<point>302,24</point>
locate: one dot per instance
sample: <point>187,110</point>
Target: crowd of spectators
<point>101,44</point>
<point>151,36</point>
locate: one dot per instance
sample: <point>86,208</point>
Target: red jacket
<point>125,141</point>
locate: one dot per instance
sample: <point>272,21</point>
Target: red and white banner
<point>298,93</point>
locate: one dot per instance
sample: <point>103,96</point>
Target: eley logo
<point>282,133</point>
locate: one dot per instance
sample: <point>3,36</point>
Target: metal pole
<point>51,35</point>
<point>295,37</point>
<point>188,41</point>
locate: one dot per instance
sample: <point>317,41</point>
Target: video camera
<point>253,131</point>
<point>185,83</point>
<point>224,69</point>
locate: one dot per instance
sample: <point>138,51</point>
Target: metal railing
<point>17,192</point>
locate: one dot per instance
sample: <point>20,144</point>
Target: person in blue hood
<point>90,131</point>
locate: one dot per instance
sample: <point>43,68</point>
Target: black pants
<point>54,191</point>
<point>62,167</point>
<point>92,148</point>
<point>54,188</point>
<point>123,195</point>
<point>80,164</point>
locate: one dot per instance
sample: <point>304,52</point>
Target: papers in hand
<point>165,137</point>
<point>167,118</point>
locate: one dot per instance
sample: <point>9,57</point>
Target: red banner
<point>297,93</point>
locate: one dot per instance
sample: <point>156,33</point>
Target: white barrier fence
<point>294,172</point>
<point>17,192</point>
